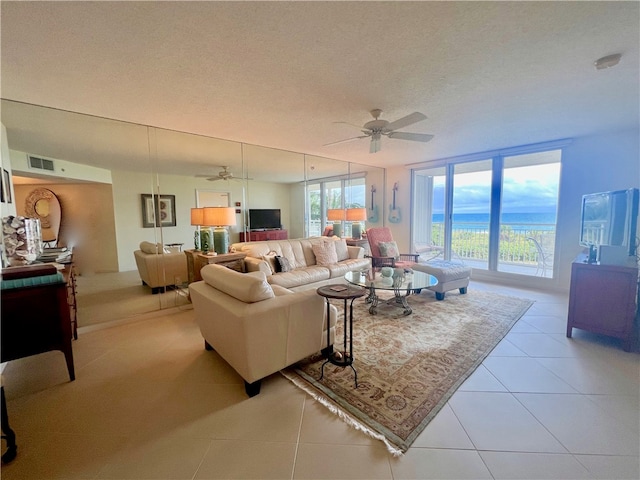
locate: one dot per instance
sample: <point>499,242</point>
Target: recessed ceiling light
<point>608,61</point>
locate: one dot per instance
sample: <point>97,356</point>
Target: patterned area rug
<point>408,366</point>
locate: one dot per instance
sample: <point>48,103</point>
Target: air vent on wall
<point>41,163</point>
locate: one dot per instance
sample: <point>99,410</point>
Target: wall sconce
<point>356,215</point>
<point>337,216</point>
<point>220,217</point>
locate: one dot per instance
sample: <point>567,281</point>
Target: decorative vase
<point>22,238</point>
<point>205,240</point>
<point>386,271</point>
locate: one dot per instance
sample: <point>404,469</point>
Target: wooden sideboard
<point>263,236</point>
<point>603,299</point>
<point>35,317</point>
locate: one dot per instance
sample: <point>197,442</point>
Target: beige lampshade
<point>356,214</point>
<point>335,214</point>
<point>197,216</point>
<point>219,216</point>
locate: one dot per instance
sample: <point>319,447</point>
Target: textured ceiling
<point>279,74</point>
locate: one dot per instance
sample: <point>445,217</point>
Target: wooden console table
<point>196,260</point>
<point>602,299</point>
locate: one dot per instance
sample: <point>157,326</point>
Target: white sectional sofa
<point>258,328</point>
<point>309,259</point>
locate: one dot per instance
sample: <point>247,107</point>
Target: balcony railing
<point>529,246</point>
<point>518,251</point>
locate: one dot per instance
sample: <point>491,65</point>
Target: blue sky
<point>525,190</point>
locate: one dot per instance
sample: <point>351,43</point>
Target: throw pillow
<point>270,258</point>
<point>389,249</point>
<point>325,253</point>
<point>341,248</point>
<point>283,264</point>
<point>237,265</point>
<point>148,247</point>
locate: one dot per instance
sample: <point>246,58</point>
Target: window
<point>496,213</point>
<point>333,193</point>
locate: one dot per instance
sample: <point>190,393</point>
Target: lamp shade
<point>356,214</point>
<point>335,214</point>
<point>219,216</point>
<point>197,216</point>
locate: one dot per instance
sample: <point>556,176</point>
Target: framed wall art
<point>160,214</point>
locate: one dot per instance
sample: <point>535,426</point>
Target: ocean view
<point>514,220</point>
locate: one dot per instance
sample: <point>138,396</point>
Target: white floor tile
<point>439,464</point>
<point>609,466</point>
<point>497,421</point>
<point>444,431</point>
<point>523,374</point>
<point>315,461</point>
<point>581,425</point>
<point>539,466</point>
<point>482,380</point>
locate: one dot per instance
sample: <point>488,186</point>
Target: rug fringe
<point>348,419</point>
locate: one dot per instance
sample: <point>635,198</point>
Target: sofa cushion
<point>389,249</point>
<point>341,247</point>
<point>148,247</point>
<point>325,253</point>
<point>300,276</point>
<point>247,287</point>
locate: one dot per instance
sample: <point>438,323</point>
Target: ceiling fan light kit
<point>376,128</point>
<point>608,61</point>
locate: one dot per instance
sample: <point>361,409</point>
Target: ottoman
<point>450,275</point>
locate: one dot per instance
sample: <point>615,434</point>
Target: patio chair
<point>384,250</point>
<point>545,258</point>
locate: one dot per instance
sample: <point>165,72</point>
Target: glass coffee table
<point>411,282</point>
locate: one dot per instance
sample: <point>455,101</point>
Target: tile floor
<point>150,403</point>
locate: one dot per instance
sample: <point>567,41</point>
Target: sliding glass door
<point>496,213</point>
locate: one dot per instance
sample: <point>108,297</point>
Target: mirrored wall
<point>102,167</point>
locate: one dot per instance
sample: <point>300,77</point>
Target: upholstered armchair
<point>258,328</point>
<point>384,250</point>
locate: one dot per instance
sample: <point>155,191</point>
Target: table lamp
<point>197,217</point>
<point>337,216</point>
<point>356,215</point>
<point>220,217</point>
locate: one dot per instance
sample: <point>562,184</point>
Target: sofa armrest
<point>355,251</point>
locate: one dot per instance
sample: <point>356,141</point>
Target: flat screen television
<point>610,218</point>
<point>264,218</point>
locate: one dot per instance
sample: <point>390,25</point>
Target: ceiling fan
<point>376,128</point>
<point>223,174</point>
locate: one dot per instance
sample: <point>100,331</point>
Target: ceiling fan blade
<point>359,127</point>
<point>416,137</point>
<point>345,141</point>
<point>410,119</point>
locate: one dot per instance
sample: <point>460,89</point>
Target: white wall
<point>589,164</point>
<point>6,208</point>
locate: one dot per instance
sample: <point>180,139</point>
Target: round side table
<point>344,357</point>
